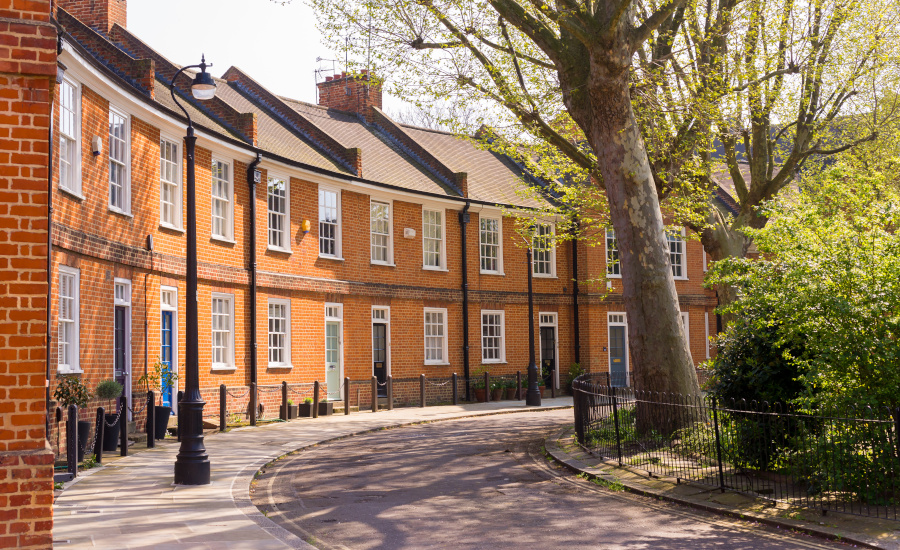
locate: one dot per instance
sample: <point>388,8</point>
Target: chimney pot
<point>329,78</point>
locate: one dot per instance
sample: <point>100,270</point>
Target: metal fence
<point>846,463</point>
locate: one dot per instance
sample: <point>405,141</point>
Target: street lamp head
<point>203,87</point>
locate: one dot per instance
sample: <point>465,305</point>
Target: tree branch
<point>643,32</point>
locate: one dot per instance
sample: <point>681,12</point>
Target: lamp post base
<point>533,397</point>
<point>192,462</point>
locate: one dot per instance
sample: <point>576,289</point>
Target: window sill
<point>334,258</point>
<point>544,276</point>
<point>280,366</point>
<point>68,370</point>
<point>278,249</point>
<point>223,240</point>
<point>224,368</point>
<point>385,264</point>
<point>608,276</point>
<point>680,278</point>
<point>168,227</point>
<point>431,364</point>
<point>432,268</point>
<point>71,193</point>
<point>496,273</point>
<point>503,362</point>
<point>121,212</point>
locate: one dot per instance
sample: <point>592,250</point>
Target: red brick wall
<point>99,14</point>
<point>27,77</point>
<point>350,93</point>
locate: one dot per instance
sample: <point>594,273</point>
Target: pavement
<point>132,502</point>
<point>480,483</point>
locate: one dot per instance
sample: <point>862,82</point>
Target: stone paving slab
<point>131,502</point>
<point>860,531</point>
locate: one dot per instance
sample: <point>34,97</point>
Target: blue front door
<point>166,355</point>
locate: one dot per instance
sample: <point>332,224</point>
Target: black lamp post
<point>533,396</point>
<point>192,462</point>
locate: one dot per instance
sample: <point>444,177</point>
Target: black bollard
<point>72,440</point>
<point>98,434</point>
<point>223,407</point>
<point>180,423</point>
<point>253,406</point>
<point>455,390</point>
<point>374,394</point>
<point>390,392</point>
<point>151,420</point>
<point>487,387</point>
<point>347,395</point>
<point>519,385</point>
<point>123,426</point>
<point>315,399</point>
<point>284,399</point>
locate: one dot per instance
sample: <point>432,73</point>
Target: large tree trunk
<point>723,239</point>
<point>661,358</point>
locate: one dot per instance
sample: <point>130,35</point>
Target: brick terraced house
<point>371,239</point>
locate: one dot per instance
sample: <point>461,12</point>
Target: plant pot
<point>542,391</point>
<point>292,411</point>
<point>161,421</point>
<point>480,395</point>
<point>111,434</point>
<point>326,408</point>
<point>304,410</point>
<point>497,394</point>
<point>84,431</point>
<point>511,393</point>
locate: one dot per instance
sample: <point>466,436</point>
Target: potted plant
<point>305,410</point>
<point>478,387</point>
<point>70,390</point>
<point>291,410</point>
<point>326,408</point>
<point>107,391</point>
<point>511,388</point>
<point>496,390</point>
<point>159,378</point>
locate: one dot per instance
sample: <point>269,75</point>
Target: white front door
<point>334,368</point>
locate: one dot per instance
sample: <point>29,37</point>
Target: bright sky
<point>277,45</point>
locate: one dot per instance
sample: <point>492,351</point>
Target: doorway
<point>122,336</point>
<point>168,353</point>
<point>618,350</point>
<point>549,349</point>
<point>334,352</point>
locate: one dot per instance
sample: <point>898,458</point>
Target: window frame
<point>126,164</point>
<point>75,273</point>
<point>179,190</point>
<point>683,254</point>
<point>230,366</point>
<point>499,270</point>
<point>286,228</point>
<point>442,252</point>
<point>618,264</point>
<point>75,163</point>
<point>552,260</point>
<point>445,359</point>
<point>286,363</point>
<point>502,348</point>
<point>389,254</point>
<point>229,210</point>
<point>338,252</point>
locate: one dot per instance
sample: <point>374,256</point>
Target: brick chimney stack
<point>97,14</point>
<point>353,93</point>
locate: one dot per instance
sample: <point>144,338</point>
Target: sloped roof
<point>491,176</point>
<point>382,161</point>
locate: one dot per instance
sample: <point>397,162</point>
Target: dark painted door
<point>548,354</point>
<point>165,356</point>
<point>618,356</point>
<point>120,365</point>
<point>379,356</point>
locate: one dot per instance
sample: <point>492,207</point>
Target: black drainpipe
<point>575,321</point>
<point>252,180</point>
<point>60,68</point>
<point>463,222</point>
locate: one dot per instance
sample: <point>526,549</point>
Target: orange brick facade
<point>27,80</point>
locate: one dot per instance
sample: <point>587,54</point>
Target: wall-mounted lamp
<point>306,225</point>
<point>96,145</point>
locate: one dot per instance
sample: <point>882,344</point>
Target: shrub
<point>71,391</point>
<point>108,390</point>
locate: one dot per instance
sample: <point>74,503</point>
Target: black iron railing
<point>847,463</point>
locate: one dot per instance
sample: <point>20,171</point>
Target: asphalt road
<point>479,483</point>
